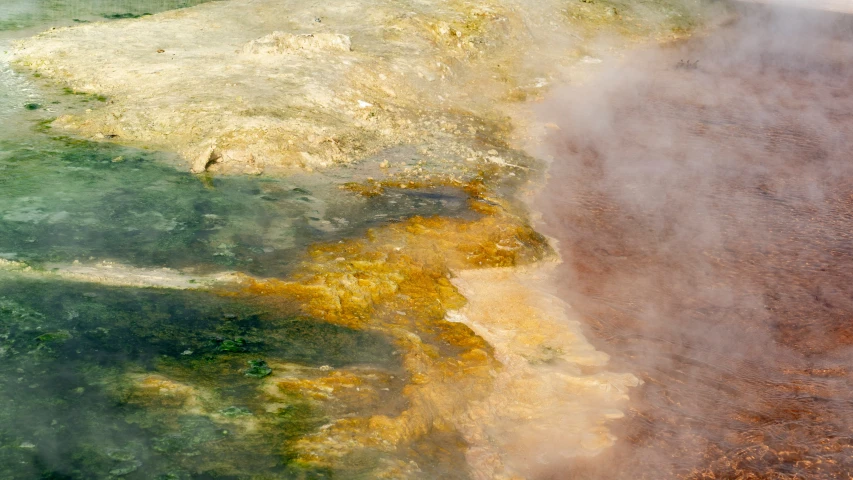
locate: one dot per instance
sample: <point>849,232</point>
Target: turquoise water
<point>65,200</point>
<point>68,350</point>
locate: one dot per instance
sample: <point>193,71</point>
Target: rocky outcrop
<point>278,43</point>
<point>279,86</point>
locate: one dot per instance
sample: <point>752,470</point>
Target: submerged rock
<point>126,468</point>
<point>53,337</point>
<point>233,412</point>
<point>258,369</point>
<point>236,345</point>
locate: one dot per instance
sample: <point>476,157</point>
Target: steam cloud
<point>704,212</point>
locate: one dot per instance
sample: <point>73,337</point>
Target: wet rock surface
<point>266,87</point>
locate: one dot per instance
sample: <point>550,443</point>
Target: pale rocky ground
<point>278,85</point>
<point>275,85</point>
<point>843,6</point>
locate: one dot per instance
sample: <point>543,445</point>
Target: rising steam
<point>700,193</point>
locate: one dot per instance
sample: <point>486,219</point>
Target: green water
<point>68,350</point>
<point>65,351</point>
<point>23,14</point>
<point>63,200</point>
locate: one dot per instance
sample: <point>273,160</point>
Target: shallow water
<point>69,351</point>
<point>65,200</point>
<point>76,356</point>
<point>24,14</point>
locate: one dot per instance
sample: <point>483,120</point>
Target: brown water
<point>705,214</point>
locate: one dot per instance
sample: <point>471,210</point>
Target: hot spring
<point>278,239</point>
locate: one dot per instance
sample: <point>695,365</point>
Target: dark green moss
<point>86,97</point>
<point>257,369</point>
<point>236,345</point>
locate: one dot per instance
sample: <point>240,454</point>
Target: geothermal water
<point>704,215</point>
<point>74,354</point>
<point>349,285</point>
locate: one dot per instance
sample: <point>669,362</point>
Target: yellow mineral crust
<point>341,391</point>
<point>163,392</point>
<point>400,281</point>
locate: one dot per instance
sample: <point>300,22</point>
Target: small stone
<point>236,345</point>
<point>233,412</point>
<point>258,369</point>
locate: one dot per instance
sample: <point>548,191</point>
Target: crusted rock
<point>281,42</point>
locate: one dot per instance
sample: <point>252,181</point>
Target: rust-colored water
<point>706,219</point>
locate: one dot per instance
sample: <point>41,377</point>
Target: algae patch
<point>101,381</point>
